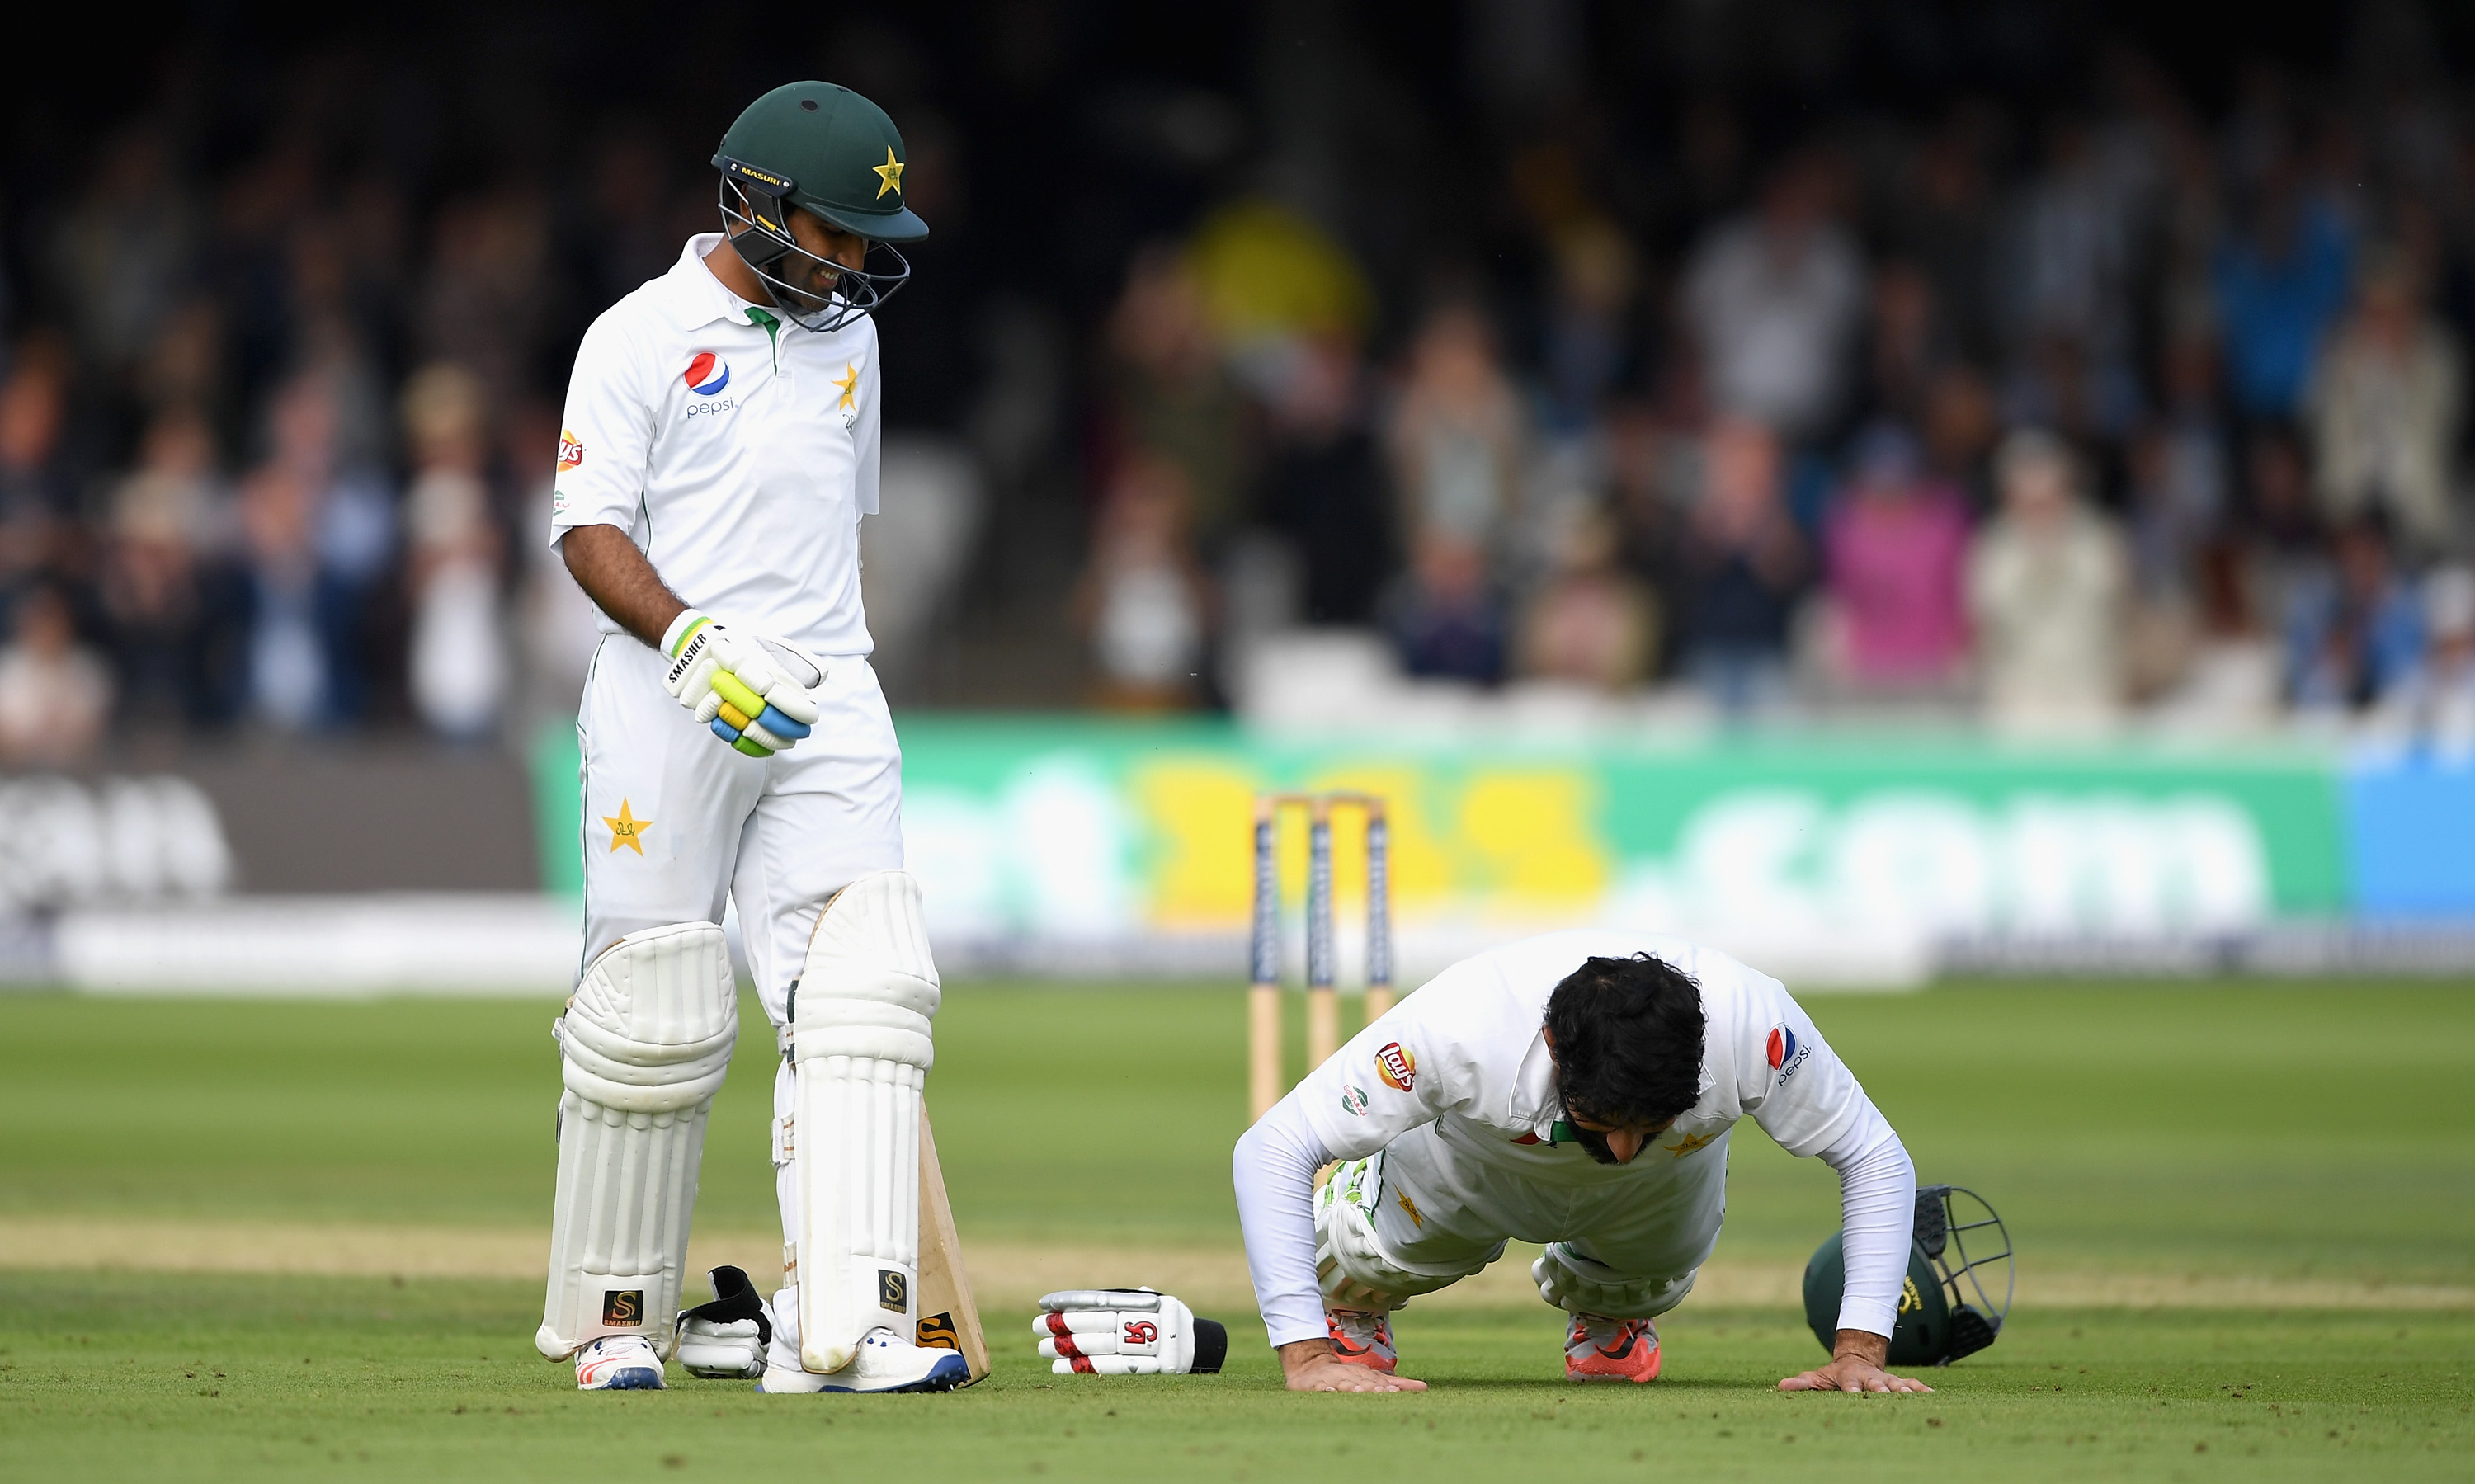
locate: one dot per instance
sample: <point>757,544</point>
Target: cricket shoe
<point>1359,1338</point>
<point>619,1362</point>
<point>881,1363</point>
<point>1610,1350</point>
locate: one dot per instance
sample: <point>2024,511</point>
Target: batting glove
<point>725,1340</point>
<point>1126,1331</point>
<point>733,687</point>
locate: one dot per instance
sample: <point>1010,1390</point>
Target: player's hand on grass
<point>1855,1365</point>
<point>1310,1365</point>
<point>734,687</point>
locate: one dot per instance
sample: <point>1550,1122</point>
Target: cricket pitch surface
<point>284,1239</point>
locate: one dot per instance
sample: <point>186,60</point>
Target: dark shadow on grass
<point>1661,1387</point>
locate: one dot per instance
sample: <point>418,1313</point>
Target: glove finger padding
<point>796,697</point>
<point>736,687</point>
<point>1125,1332</point>
<point>725,1340</point>
<point>756,670</point>
<point>794,703</point>
<point>1082,1323</point>
<point>1111,1365</point>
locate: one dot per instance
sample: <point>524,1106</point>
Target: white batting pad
<point>1352,1267</point>
<point>646,1040</point>
<point>1583,1285</point>
<point>861,1053</point>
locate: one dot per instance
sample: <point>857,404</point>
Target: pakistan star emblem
<point>891,173</point>
<point>626,829</point>
<point>1689,1143</point>
<point>848,381</point>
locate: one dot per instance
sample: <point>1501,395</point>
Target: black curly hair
<point>1628,1036</point>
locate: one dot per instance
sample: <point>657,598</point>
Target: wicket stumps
<point>1263,1086</point>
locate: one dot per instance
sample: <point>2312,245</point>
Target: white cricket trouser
<point>675,820</point>
<point>698,820</point>
<point>1451,1201</point>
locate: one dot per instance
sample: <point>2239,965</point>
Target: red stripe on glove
<point>1066,1346</point>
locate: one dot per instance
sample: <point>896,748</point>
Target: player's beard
<point>1594,1143</point>
<point>811,282</point>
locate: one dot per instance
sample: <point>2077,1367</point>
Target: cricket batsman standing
<point>719,448</point>
<point>1576,1091</point>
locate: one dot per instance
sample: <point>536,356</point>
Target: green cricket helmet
<point>818,148</point>
<point>1945,1310</point>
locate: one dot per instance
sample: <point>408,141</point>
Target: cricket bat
<point>949,1317</point>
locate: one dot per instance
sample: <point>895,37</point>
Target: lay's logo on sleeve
<point>1398,1068</point>
<point>571,450</point>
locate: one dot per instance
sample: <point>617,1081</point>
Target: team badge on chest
<point>848,384</point>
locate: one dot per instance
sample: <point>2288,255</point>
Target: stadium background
<point>1292,394</point>
<point>1295,393</point>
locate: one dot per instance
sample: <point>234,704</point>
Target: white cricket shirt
<point>1473,1049</point>
<point>1469,1048</point>
<point>739,459</point>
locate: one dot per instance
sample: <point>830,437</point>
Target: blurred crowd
<point>2107,407</point>
<point>2117,412</point>
<point>271,448</point>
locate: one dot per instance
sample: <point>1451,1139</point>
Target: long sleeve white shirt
<point>1469,1047</point>
<point>737,450</point>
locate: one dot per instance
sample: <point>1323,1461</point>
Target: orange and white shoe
<point>1610,1350</point>
<point>1361,1339</point>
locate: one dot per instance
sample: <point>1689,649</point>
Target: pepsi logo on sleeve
<point>1784,1052</point>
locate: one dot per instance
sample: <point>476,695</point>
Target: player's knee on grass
<point>1353,1267</point>
<point>1580,1284</point>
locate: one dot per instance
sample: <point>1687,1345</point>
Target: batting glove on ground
<point>1126,1331</point>
<point>734,687</point>
<point>725,1340</point>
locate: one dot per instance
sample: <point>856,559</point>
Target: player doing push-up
<point>719,449</point>
<point>1575,1090</point>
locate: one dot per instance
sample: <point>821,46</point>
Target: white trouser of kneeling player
<point>645,1044</point>
<point>1425,1213</point>
<point>857,1052</point>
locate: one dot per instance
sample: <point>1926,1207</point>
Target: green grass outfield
<point>2316,1142</point>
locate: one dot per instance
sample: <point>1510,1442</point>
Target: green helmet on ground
<point>1946,1309</point>
<point>822,148</point>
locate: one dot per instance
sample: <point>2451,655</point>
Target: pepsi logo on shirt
<point>706,375</point>
<point>1784,1052</point>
